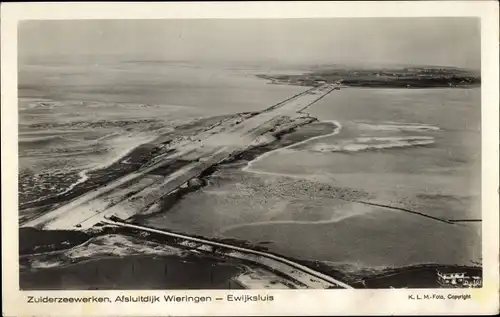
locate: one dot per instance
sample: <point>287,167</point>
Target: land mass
<point>119,258</point>
<point>409,77</point>
<point>152,177</point>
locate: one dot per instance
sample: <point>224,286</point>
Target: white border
<point>313,302</point>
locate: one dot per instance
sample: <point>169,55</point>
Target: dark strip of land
<point>414,77</point>
<point>406,210</point>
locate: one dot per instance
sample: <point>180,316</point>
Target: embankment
<point>287,133</point>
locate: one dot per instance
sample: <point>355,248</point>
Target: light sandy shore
<point>204,150</point>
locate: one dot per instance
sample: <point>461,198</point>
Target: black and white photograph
<point>249,154</point>
<point>250,158</point>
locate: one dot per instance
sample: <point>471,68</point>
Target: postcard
<point>254,158</point>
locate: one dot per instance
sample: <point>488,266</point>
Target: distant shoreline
<point>408,78</point>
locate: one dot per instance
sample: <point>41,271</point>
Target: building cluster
<point>457,279</point>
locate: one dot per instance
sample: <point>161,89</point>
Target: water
<point>76,115</point>
<point>412,149</point>
<point>135,272</point>
<point>417,149</point>
<point>397,142</point>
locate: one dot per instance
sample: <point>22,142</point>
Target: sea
<point>359,199</point>
<point>78,114</point>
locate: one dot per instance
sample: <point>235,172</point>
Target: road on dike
<point>90,208</point>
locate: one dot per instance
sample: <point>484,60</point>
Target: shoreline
<point>123,152</point>
<point>246,157</point>
<point>384,278</point>
<point>127,161</point>
<point>419,77</point>
<point>253,154</point>
<point>337,130</point>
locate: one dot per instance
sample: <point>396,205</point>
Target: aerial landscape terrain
<point>142,172</point>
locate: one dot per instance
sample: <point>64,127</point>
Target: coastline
<point>279,140</point>
<point>120,154</point>
<point>259,152</point>
<point>395,277</point>
<point>337,129</point>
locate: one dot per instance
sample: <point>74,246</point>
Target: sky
<point>363,41</point>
